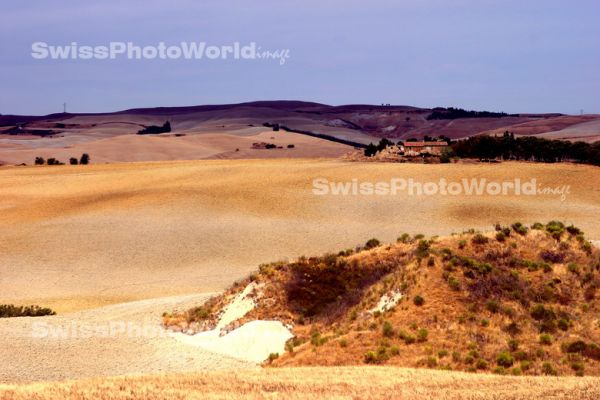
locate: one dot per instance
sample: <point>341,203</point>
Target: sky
<point>512,56</point>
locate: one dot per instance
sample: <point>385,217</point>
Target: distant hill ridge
<point>375,121</point>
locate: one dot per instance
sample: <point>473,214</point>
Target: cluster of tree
<point>275,126</point>
<point>527,148</point>
<point>11,311</point>
<point>84,160</point>
<point>155,129</point>
<point>455,113</point>
<point>373,149</point>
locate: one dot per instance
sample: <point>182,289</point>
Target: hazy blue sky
<point>514,56</point>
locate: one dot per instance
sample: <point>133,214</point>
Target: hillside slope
<point>518,300</point>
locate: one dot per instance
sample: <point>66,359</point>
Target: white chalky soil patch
<point>387,301</point>
<point>254,341</point>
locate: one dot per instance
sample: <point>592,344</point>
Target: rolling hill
<point>228,130</point>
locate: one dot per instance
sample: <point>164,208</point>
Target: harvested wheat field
<point>314,383</point>
<point>119,339</point>
<point>76,237</point>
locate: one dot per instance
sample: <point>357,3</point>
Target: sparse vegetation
<point>513,310</point>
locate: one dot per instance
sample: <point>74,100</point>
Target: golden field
<point>79,237</point>
<point>76,237</point>
<point>313,383</point>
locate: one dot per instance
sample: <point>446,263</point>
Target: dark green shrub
<point>404,238</point>
<point>423,249</point>
<point>371,357</point>
<point>492,306</point>
<point>563,324</point>
<point>548,369</point>
<point>520,355</point>
<point>513,344</point>
<point>317,340</point>
<point>418,300</point>
<point>388,329</point>
<point>577,346</point>
<point>578,367</point>
<point>372,243</point>
<point>198,313</point>
<point>546,339</point>
<point>573,268</point>
<point>499,370</point>
<point>556,229</point>
<point>422,335</point>
<point>519,228</point>
<point>456,356</point>
<point>587,247</point>
<point>408,338</point>
<point>540,313</point>
<point>479,239</point>
<point>454,283</point>
<point>505,359</point>
<point>431,362</point>
<point>573,230</point>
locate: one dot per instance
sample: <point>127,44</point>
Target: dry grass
<point>313,383</point>
<point>466,299</point>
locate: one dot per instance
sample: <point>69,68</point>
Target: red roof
<point>423,144</point>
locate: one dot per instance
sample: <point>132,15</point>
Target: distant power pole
<point>581,111</point>
<point>64,108</point>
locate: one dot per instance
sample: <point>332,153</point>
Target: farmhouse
<point>418,148</point>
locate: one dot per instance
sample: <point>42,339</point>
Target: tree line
<point>527,148</point>
<point>508,147</point>
<point>84,160</point>
<point>455,113</point>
